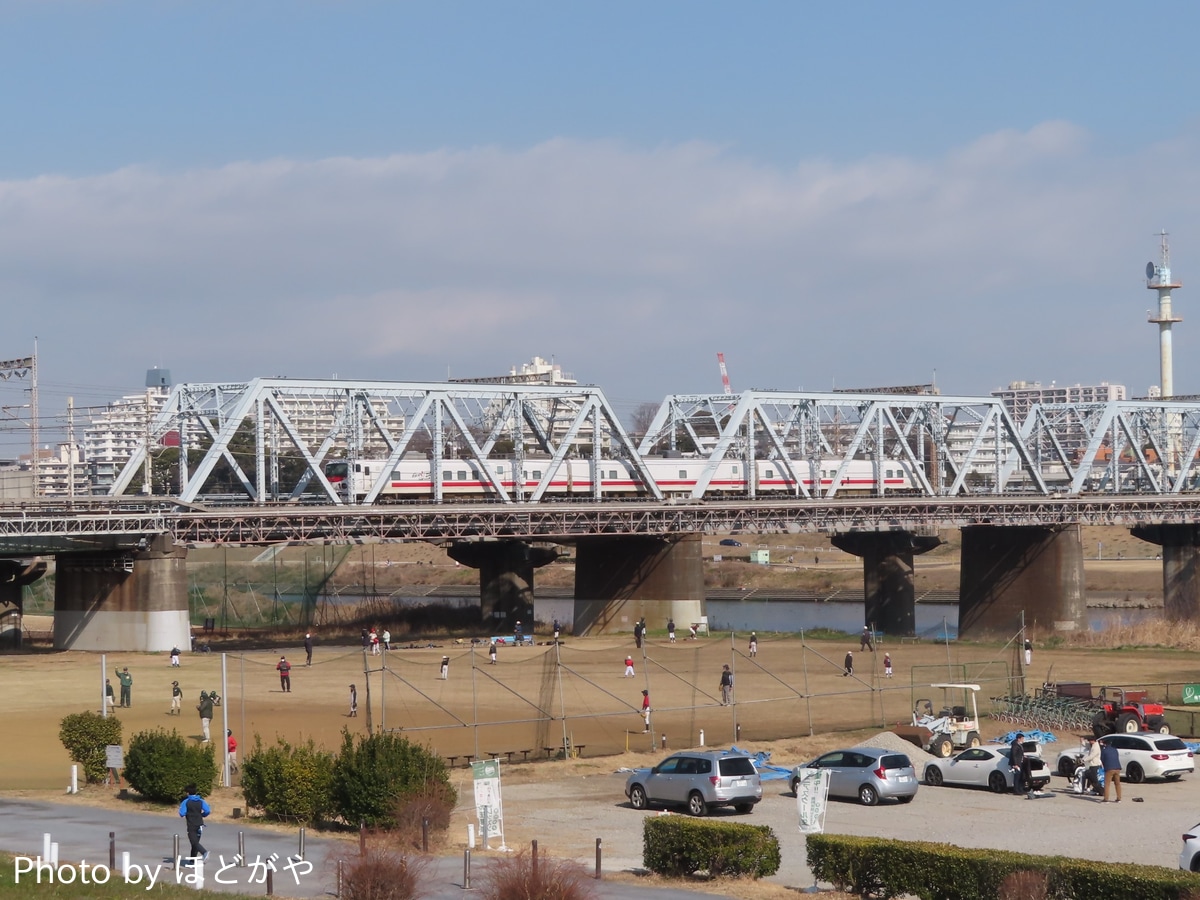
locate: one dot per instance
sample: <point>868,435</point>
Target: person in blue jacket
<point>195,810</point>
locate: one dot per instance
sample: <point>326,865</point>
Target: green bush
<point>372,778</point>
<point>676,846</point>
<point>875,867</point>
<point>289,783</point>
<point>85,735</point>
<point>160,764</point>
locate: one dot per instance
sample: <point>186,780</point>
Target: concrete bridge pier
<point>136,600</point>
<point>890,599</point>
<point>1009,569</point>
<point>505,577</point>
<point>619,580</point>
<point>15,574</point>
<point>1181,567</point>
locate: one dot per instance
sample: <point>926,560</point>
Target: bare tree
<point>642,417</point>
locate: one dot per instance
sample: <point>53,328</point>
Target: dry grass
<point>1159,632</point>
<point>517,878</point>
<point>1025,885</point>
<point>383,874</point>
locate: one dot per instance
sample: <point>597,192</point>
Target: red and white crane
<point>724,373</point>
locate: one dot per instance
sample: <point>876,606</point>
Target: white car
<point>1143,754</point>
<point>987,767</point>
<point>1189,858</point>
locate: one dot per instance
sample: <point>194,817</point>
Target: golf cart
<point>953,728</point>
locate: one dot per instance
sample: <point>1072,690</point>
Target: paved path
<point>82,835</point>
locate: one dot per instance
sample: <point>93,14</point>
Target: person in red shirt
<point>646,710</point>
<point>628,666</point>
<point>232,751</point>
<point>285,674</point>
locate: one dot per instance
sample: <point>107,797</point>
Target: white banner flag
<point>487,799</point>
<point>812,793</point>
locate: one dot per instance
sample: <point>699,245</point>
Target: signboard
<point>114,757</point>
<point>812,794</point>
<point>488,808</point>
<point>1191,693</point>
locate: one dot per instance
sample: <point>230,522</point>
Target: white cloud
<point>632,266</point>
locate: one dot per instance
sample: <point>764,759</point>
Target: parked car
<point>865,774</point>
<point>1189,857</point>
<point>1146,754</point>
<point>730,542</point>
<point>698,781</point>
<point>988,767</point>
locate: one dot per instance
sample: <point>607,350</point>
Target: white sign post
<point>812,795</point>
<point>487,801</point>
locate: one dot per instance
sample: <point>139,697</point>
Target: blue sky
<point>849,194</point>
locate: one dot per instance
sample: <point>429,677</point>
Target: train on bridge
<point>412,477</point>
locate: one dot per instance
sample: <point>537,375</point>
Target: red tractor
<point>1120,710</point>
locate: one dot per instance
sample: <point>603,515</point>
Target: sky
<point>833,195</point>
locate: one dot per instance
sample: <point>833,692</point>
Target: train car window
<point>462,476</point>
<point>735,470</point>
<point>447,475</point>
<point>612,473</point>
<point>499,470</point>
<point>770,473</point>
<point>887,474</point>
<point>683,473</point>
<point>537,474</point>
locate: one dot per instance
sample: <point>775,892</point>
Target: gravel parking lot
<point>566,817</point>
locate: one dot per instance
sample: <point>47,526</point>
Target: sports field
<point>534,696</point>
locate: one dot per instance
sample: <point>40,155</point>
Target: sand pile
<point>889,741</point>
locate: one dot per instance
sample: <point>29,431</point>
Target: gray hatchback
<point>697,780</point>
<point>865,774</point>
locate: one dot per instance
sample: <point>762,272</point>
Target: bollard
<point>337,888</point>
<point>737,732</point>
<point>241,848</point>
<point>471,835</point>
<point>125,864</point>
<point>198,873</point>
<point>362,838</point>
<point>175,849</point>
<point>45,845</point>
<point>467,869</point>
<point>597,859</point>
<point>301,853</point>
<point>74,780</point>
<point>112,850</point>
<point>664,742</point>
<point>270,883</point>
<point>533,861</point>
<point>701,737</point>
<point>424,834</point>
<point>54,854</point>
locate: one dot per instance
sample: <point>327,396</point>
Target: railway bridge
<point>501,475</point>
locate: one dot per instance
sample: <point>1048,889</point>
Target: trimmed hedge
<point>875,867</point>
<point>86,735</point>
<point>289,783</point>
<point>160,764</point>
<point>676,846</point>
<point>373,777</point>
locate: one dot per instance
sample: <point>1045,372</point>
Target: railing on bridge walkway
<point>365,443</point>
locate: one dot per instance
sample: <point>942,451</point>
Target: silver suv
<point>697,780</point>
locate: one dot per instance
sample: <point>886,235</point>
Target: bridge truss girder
<point>317,421</point>
<point>941,440</point>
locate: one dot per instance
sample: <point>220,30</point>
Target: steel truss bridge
<point>270,441</point>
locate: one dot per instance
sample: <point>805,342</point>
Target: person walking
<point>126,680</point>
<point>285,674</point>
<point>175,657</point>
<point>726,685</point>
<point>1016,761</point>
<point>646,710</point>
<point>637,634</point>
<point>753,644</point>
<point>108,692</point>
<point>194,809</point>
<point>387,639</point>
<point>176,699</point>
<point>628,666</point>
<point>864,642</point>
<point>308,647</point>
<point>353,703</point>
<point>671,629</point>
<point>445,667</point>
<point>492,652</point>
<point>1110,762</point>
<point>231,744</point>
<point>205,707</point>
<point>887,665</point>
<point>848,665</point>
<point>1028,652</point>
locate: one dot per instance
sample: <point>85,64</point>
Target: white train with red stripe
<point>412,478</point>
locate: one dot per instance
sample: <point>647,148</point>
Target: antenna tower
<point>724,373</point>
<point>1158,278</point>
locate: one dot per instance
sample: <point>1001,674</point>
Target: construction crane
<point>724,373</point>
